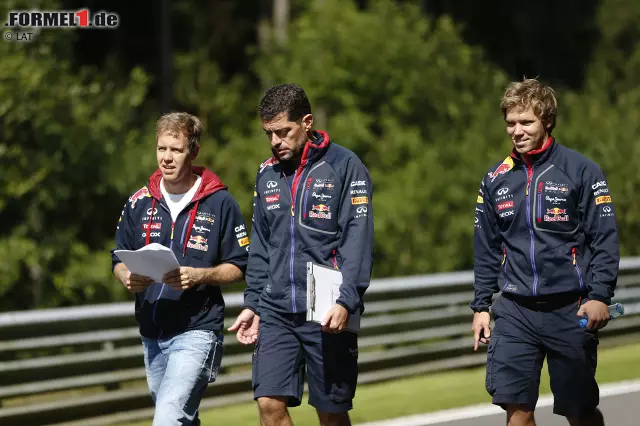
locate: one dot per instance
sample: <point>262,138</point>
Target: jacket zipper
<point>293,190</point>
<point>529,170</point>
<point>575,265</point>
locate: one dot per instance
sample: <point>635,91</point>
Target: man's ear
<point>307,122</point>
<point>194,152</point>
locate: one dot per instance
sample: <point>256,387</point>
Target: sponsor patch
<point>603,199</point>
<point>138,195</point>
<point>272,198</point>
<point>480,200</point>
<point>359,200</point>
<point>505,205</point>
<point>198,242</point>
<point>153,226</point>
<point>205,217</point>
<point>503,168</point>
<point>243,241</point>
<point>320,211</point>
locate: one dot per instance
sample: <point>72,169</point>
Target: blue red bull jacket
<point>324,216</point>
<point>208,232</point>
<point>545,225</point>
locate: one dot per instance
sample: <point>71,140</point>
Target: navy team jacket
<point>544,226</point>
<point>208,232</point>
<point>324,216</point>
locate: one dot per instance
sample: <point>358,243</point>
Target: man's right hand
<point>481,321</point>
<point>246,326</point>
<point>134,283</point>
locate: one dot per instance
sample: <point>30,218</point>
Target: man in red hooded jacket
<point>189,210</point>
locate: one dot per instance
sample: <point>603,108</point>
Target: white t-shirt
<point>177,202</point>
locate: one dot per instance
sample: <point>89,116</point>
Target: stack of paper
<point>153,261</point>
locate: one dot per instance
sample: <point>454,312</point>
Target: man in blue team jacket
<point>546,237</point>
<point>312,203</point>
<point>189,210</point>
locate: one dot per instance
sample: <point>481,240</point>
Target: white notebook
<point>323,289</point>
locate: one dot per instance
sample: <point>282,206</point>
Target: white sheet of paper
<point>153,261</point>
<point>323,289</point>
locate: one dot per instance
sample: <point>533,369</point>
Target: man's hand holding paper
<point>183,278</point>
<point>133,282</point>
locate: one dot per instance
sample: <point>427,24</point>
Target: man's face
<point>287,137</point>
<point>174,158</point>
<point>526,131</point>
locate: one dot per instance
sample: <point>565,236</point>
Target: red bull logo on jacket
<point>198,242</point>
<point>320,211</point>
<point>503,168</point>
<point>556,215</point>
<point>139,194</point>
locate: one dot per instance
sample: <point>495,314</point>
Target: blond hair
<point>180,123</point>
<point>531,93</point>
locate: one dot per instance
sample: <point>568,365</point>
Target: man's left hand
<point>597,313</point>
<point>336,319</point>
<point>182,279</point>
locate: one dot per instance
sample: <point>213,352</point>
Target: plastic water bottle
<point>615,310</point>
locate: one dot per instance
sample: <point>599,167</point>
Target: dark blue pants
<point>287,343</point>
<point>528,329</point>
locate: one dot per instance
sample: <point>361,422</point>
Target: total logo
<point>505,205</point>
<point>272,198</point>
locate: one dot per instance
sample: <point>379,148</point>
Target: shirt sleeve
<point>356,247</point>
<point>258,268</point>
<point>486,252</point>
<point>234,241</point>
<point>124,235</point>
<point>599,221</point>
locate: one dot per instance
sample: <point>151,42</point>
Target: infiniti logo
<point>503,191</point>
<point>272,184</point>
<point>361,210</point>
<point>606,209</point>
<point>155,211</point>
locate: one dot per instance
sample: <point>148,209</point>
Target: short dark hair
<point>287,98</point>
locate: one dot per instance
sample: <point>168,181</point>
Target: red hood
<point>210,183</point>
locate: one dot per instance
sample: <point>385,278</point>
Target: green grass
<point>426,393</point>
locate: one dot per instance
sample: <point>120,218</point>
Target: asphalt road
<point>618,410</point>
